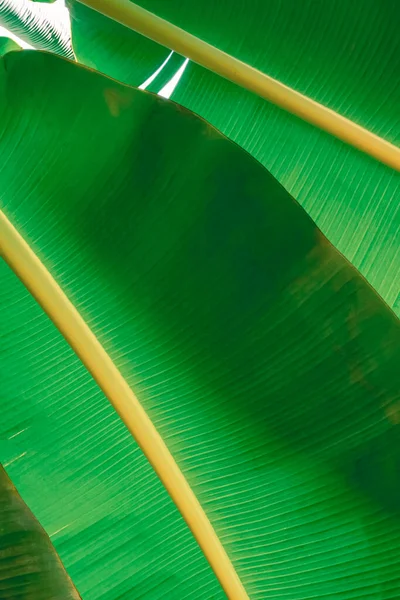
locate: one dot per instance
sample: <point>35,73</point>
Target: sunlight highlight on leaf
<point>169,87</point>
<point>42,26</point>
<point>9,34</point>
<point>150,80</point>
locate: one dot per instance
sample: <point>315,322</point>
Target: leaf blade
<point>37,25</point>
<point>37,279</point>
<point>241,329</point>
<point>353,200</point>
<point>29,565</point>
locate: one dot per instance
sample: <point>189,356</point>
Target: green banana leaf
<point>265,360</point>
<point>343,54</point>
<point>37,24</point>
<point>107,46</point>
<point>7,45</point>
<point>29,566</point>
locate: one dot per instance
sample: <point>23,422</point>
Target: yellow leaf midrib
<point>37,279</point>
<point>169,35</point>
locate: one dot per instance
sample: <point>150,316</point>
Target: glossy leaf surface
<point>346,56</point>
<point>268,365</point>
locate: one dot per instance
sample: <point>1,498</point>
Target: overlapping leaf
<point>346,56</point>
<point>37,24</point>
<point>267,363</point>
<point>29,566</point>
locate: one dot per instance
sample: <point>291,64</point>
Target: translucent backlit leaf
<point>346,56</point>
<point>267,363</point>
<point>42,26</point>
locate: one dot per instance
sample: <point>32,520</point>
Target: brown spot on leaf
<point>392,413</point>
<point>117,100</point>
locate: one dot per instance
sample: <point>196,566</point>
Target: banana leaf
<point>344,55</point>
<point>266,361</point>
<point>29,566</point>
<point>7,45</point>
<point>39,25</point>
<point>107,46</point>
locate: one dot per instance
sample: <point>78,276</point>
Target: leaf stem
<point>34,275</point>
<point>137,18</point>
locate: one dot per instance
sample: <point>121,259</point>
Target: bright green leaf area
<point>7,45</point>
<point>29,566</point>
<point>267,363</point>
<point>345,55</point>
<point>321,49</point>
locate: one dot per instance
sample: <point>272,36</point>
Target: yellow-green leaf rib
<point>161,31</point>
<point>31,271</point>
<point>267,364</point>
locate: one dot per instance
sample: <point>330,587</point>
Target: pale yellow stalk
<point>129,14</point>
<point>34,275</point>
